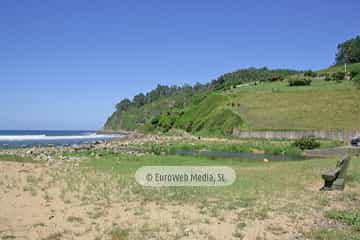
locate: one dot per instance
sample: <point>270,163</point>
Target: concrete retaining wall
<point>342,135</point>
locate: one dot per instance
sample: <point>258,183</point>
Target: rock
<point>30,152</point>
<point>41,157</point>
<point>99,142</point>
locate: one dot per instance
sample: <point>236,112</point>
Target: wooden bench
<point>335,179</point>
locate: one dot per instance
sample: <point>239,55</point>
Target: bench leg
<point>327,186</point>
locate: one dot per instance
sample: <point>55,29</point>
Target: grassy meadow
<point>323,105</point>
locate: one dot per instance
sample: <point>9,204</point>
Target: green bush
<point>338,76</point>
<point>156,149</point>
<point>353,74</point>
<point>308,142</point>
<point>163,122</point>
<point>328,77</point>
<point>299,82</point>
<point>310,73</point>
<point>276,78</point>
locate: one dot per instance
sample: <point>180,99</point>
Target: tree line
<point>348,51</point>
<point>160,91</point>
<point>223,82</point>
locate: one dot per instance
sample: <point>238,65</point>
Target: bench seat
<point>331,175</point>
<point>335,179</point>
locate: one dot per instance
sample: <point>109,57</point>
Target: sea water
<point>28,138</point>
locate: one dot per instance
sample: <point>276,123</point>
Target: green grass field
<point>323,105</point>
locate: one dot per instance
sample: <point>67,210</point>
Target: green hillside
<point>136,116</point>
<point>212,116</point>
<point>132,114</point>
<point>323,105</point>
<point>270,103</point>
<point>340,68</point>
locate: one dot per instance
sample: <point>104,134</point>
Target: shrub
<point>164,122</point>
<point>156,149</point>
<point>308,142</point>
<point>328,77</point>
<point>155,120</point>
<point>300,82</point>
<point>356,81</point>
<point>276,78</point>
<point>338,76</point>
<point>310,73</point>
<point>353,74</point>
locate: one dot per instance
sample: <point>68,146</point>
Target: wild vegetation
<point>248,75</point>
<point>130,114</point>
<point>309,142</point>
<point>245,146</point>
<point>293,82</point>
<point>253,98</point>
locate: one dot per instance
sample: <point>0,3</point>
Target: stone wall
<point>342,135</point>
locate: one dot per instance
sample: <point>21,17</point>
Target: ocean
<point>28,138</point>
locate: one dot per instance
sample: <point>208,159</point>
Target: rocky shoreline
<point>130,144</point>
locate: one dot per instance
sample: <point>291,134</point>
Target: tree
<point>123,105</point>
<point>139,100</point>
<point>198,87</point>
<point>310,73</point>
<point>250,75</point>
<point>348,51</point>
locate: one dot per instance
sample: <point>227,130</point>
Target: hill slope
<point>270,105</point>
<point>324,105</point>
<point>129,115</point>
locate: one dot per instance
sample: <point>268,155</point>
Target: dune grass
<point>255,179</point>
<point>262,189</point>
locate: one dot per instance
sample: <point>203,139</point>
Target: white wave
<point>45,138</point>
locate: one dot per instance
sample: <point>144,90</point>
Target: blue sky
<point>65,64</point>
